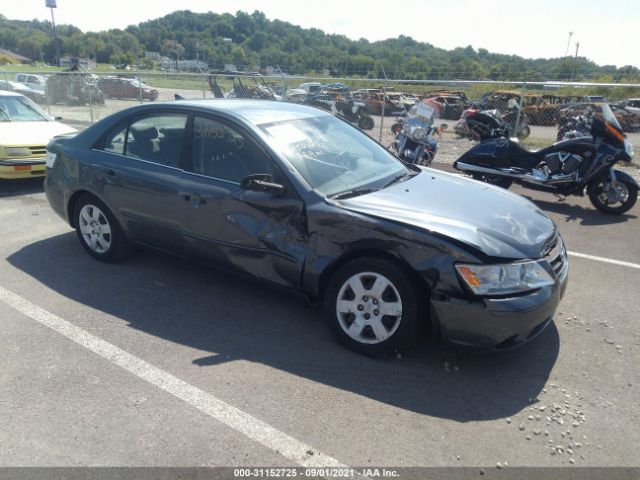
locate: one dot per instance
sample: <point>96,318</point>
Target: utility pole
<point>51,4</point>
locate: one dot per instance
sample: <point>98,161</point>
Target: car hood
<point>31,133</point>
<point>496,222</point>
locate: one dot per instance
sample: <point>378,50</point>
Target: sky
<point>606,31</point>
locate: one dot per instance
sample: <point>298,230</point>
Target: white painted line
<point>240,421</point>
<point>605,260</point>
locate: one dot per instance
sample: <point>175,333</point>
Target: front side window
<point>157,138</point>
<point>222,152</point>
<point>332,156</point>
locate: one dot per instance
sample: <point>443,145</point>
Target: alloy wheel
<point>94,228</point>
<point>369,308</point>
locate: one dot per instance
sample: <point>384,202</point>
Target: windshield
<point>20,109</point>
<point>426,110</point>
<point>332,156</point>
<point>608,116</point>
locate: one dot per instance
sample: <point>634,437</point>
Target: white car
<point>25,130</point>
<point>36,82</point>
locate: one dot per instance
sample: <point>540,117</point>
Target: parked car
<point>35,82</point>
<point>25,130</point>
<point>21,88</point>
<point>73,87</point>
<point>310,87</point>
<point>294,196</point>
<point>130,88</point>
<point>632,105</point>
<point>393,104</point>
<point>451,106</point>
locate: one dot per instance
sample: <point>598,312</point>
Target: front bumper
<point>23,168</point>
<point>497,324</point>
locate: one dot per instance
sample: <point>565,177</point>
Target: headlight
<point>51,159</point>
<point>419,133</point>
<point>17,151</point>
<point>504,279</point>
<point>628,148</point>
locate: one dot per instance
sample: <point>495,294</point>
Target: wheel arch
<point>73,199</point>
<point>422,287</point>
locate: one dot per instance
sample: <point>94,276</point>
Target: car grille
<point>39,150</point>
<point>556,255</point>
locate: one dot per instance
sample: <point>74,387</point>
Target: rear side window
<point>155,138</point>
<point>114,143</point>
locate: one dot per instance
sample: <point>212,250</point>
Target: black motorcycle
<point>575,126</point>
<point>344,106</point>
<point>477,124</point>
<point>565,168</point>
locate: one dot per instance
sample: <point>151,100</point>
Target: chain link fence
<point>534,111</point>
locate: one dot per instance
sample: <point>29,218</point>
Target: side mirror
<point>261,182</point>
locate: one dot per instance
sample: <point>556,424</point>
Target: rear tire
<point>372,306</point>
<point>98,230</point>
<point>496,180</point>
<point>524,132</point>
<point>365,123</point>
<point>627,194</point>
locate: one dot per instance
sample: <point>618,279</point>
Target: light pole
<point>575,61</point>
<point>51,4</point>
<point>566,52</point>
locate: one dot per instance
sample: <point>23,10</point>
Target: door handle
<point>105,170</point>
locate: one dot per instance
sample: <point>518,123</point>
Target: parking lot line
<point>251,427</point>
<point>605,260</point>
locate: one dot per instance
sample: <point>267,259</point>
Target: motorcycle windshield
<point>426,111</point>
<point>608,116</point>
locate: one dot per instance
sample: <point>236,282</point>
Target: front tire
<point>98,230</point>
<point>524,132</point>
<point>372,307</point>
<point>613,199</point>
<point>396,128</point>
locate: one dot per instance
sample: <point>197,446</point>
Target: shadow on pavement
<point>236,318</point>
<point>585,215</point>
<point>22,186</point>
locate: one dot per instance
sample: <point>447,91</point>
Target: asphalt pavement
<point>159,361</point>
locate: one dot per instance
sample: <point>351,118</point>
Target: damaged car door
<point>241,213</point>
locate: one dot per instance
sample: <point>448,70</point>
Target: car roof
<point>7,93</point>
<point>255,112</point>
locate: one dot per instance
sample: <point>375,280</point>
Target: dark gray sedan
<point>299,198</point>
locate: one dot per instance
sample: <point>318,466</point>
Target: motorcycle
<point>413,142</point>
<point>355,112</point>
<point>346,107</point>
<point>568,167</point>
<point>473,121</point>
<point>575,126</point>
